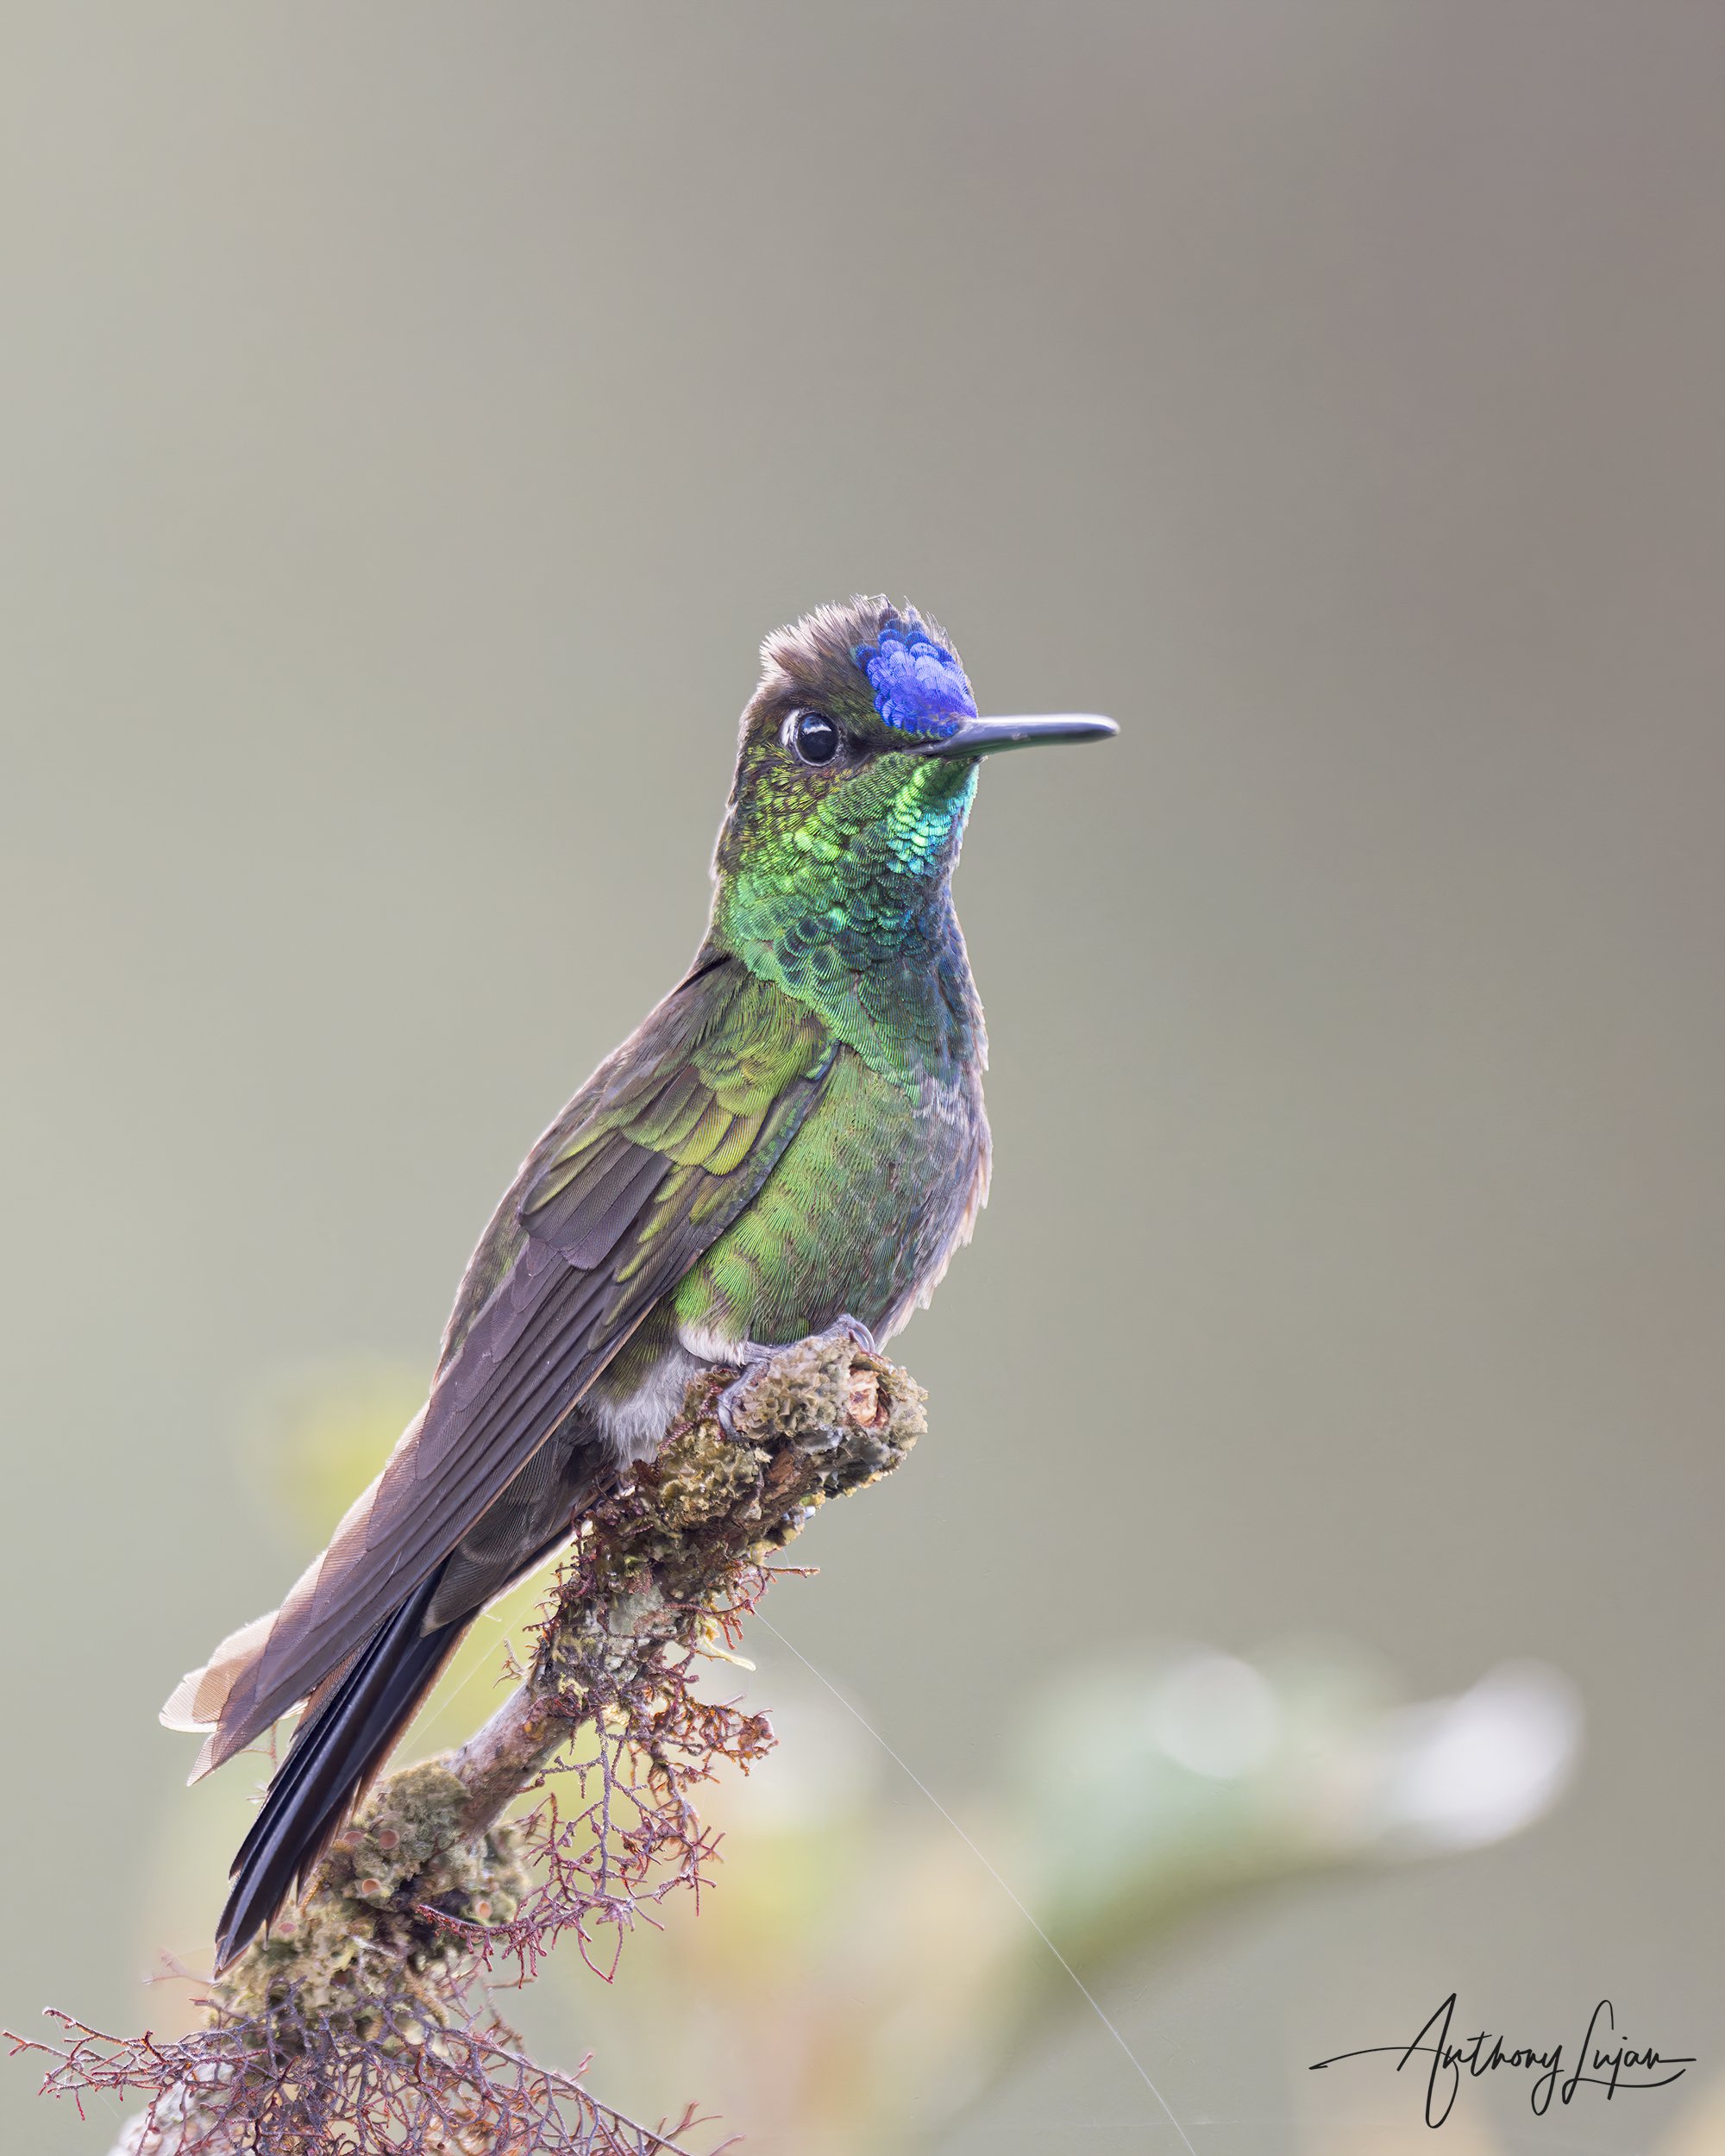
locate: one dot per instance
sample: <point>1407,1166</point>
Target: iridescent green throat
<point>845,902</point>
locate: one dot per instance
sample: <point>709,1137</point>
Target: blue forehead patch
<point>919,685</point>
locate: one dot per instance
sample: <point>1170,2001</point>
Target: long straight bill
<point>986,737</point>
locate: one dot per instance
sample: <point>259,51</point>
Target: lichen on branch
<point>364,2021</point>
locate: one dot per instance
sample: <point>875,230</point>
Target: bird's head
<point>855,775</point>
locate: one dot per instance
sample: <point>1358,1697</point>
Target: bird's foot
<point>753,1357</point>
<point>845,1327</point>
<point>753,1360</point>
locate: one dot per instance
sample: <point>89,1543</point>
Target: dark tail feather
<point>338,1747</point>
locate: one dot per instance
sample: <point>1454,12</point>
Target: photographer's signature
<point>1600,2062</point>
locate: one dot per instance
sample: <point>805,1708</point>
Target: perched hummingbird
<point>794,1140</point>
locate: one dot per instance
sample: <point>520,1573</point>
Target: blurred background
<point>413,417</point>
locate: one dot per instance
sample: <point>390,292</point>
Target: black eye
<point>812,737</point>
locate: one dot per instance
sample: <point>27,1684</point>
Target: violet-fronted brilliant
<point>792,1140</point>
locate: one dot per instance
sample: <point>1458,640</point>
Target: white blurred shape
<point>822,1766</point>
<point>1458,1773</point>
<point>1213,1714</point>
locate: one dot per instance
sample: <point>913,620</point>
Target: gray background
<point>412,418</point>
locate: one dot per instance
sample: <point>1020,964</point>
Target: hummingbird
<point>793,1141</point>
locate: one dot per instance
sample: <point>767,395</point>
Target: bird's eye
<point>812,737</point>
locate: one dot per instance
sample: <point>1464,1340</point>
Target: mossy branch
<point>364,2021</point>
<point>662,1565</point>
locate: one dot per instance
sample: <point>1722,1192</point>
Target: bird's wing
<point>655,1157</point>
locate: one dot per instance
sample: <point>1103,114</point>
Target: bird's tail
<point>342,1741</point>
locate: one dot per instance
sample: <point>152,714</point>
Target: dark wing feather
<point>651,1161</point>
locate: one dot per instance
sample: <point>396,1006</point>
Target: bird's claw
<point>754,1358</point>
<point>845,1327</point>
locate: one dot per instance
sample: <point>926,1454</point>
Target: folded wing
<point>654,1158</point>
